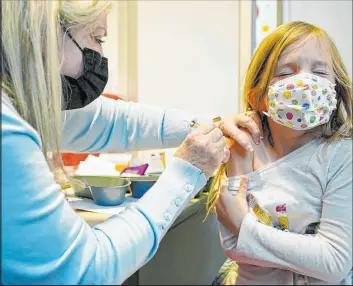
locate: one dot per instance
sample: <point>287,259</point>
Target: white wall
<point>188,55</point>
<point>266,20</point>
<point>334,16</point>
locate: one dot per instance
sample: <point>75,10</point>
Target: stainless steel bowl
<point>106,191</point>
<point>140,185</point>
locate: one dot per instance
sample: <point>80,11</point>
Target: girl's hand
<point>230,209</point>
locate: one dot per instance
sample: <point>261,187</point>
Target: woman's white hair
<point>31,39</point>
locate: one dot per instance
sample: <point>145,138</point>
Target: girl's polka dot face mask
<point>302,102</point>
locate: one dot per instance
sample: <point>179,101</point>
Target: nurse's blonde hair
<point>31,42</point>
<point>260,73</point>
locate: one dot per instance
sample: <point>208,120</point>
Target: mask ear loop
<point>70,36</point>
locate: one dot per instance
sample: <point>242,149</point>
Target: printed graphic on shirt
<point>264,216</point>
<point>282,217</point>
<point>259,212</point>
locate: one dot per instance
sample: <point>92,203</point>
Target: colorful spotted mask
<point>302,102</point>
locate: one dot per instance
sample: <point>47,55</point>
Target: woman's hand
<point>205,148</point>
<point>230,209</point>
<point>231,127</point>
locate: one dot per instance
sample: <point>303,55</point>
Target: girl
<point>290,220</point>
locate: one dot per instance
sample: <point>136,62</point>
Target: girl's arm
<point>327,255</point>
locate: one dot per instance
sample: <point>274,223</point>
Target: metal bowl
<point>140,185</point>
<point>106,191</point>
<point>139,188</point>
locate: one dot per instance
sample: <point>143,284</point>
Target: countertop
<point>195,206</point>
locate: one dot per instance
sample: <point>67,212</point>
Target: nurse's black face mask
<point>78,93</point>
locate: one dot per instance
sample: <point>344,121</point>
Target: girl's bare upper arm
<point>240,162</point>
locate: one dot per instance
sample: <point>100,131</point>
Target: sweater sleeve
<point>44,241</point>
<point>327,255</point>
<point>108,125</point>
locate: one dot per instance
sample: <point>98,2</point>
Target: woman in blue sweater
<point>51,78</point>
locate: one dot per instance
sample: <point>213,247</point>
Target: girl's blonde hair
<point>31,43</point>
<point>260,73</point>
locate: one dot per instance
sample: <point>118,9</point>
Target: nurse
<point>53,73</point>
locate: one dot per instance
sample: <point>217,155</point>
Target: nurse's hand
<point>232,125</point>
<point>204,148</point>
